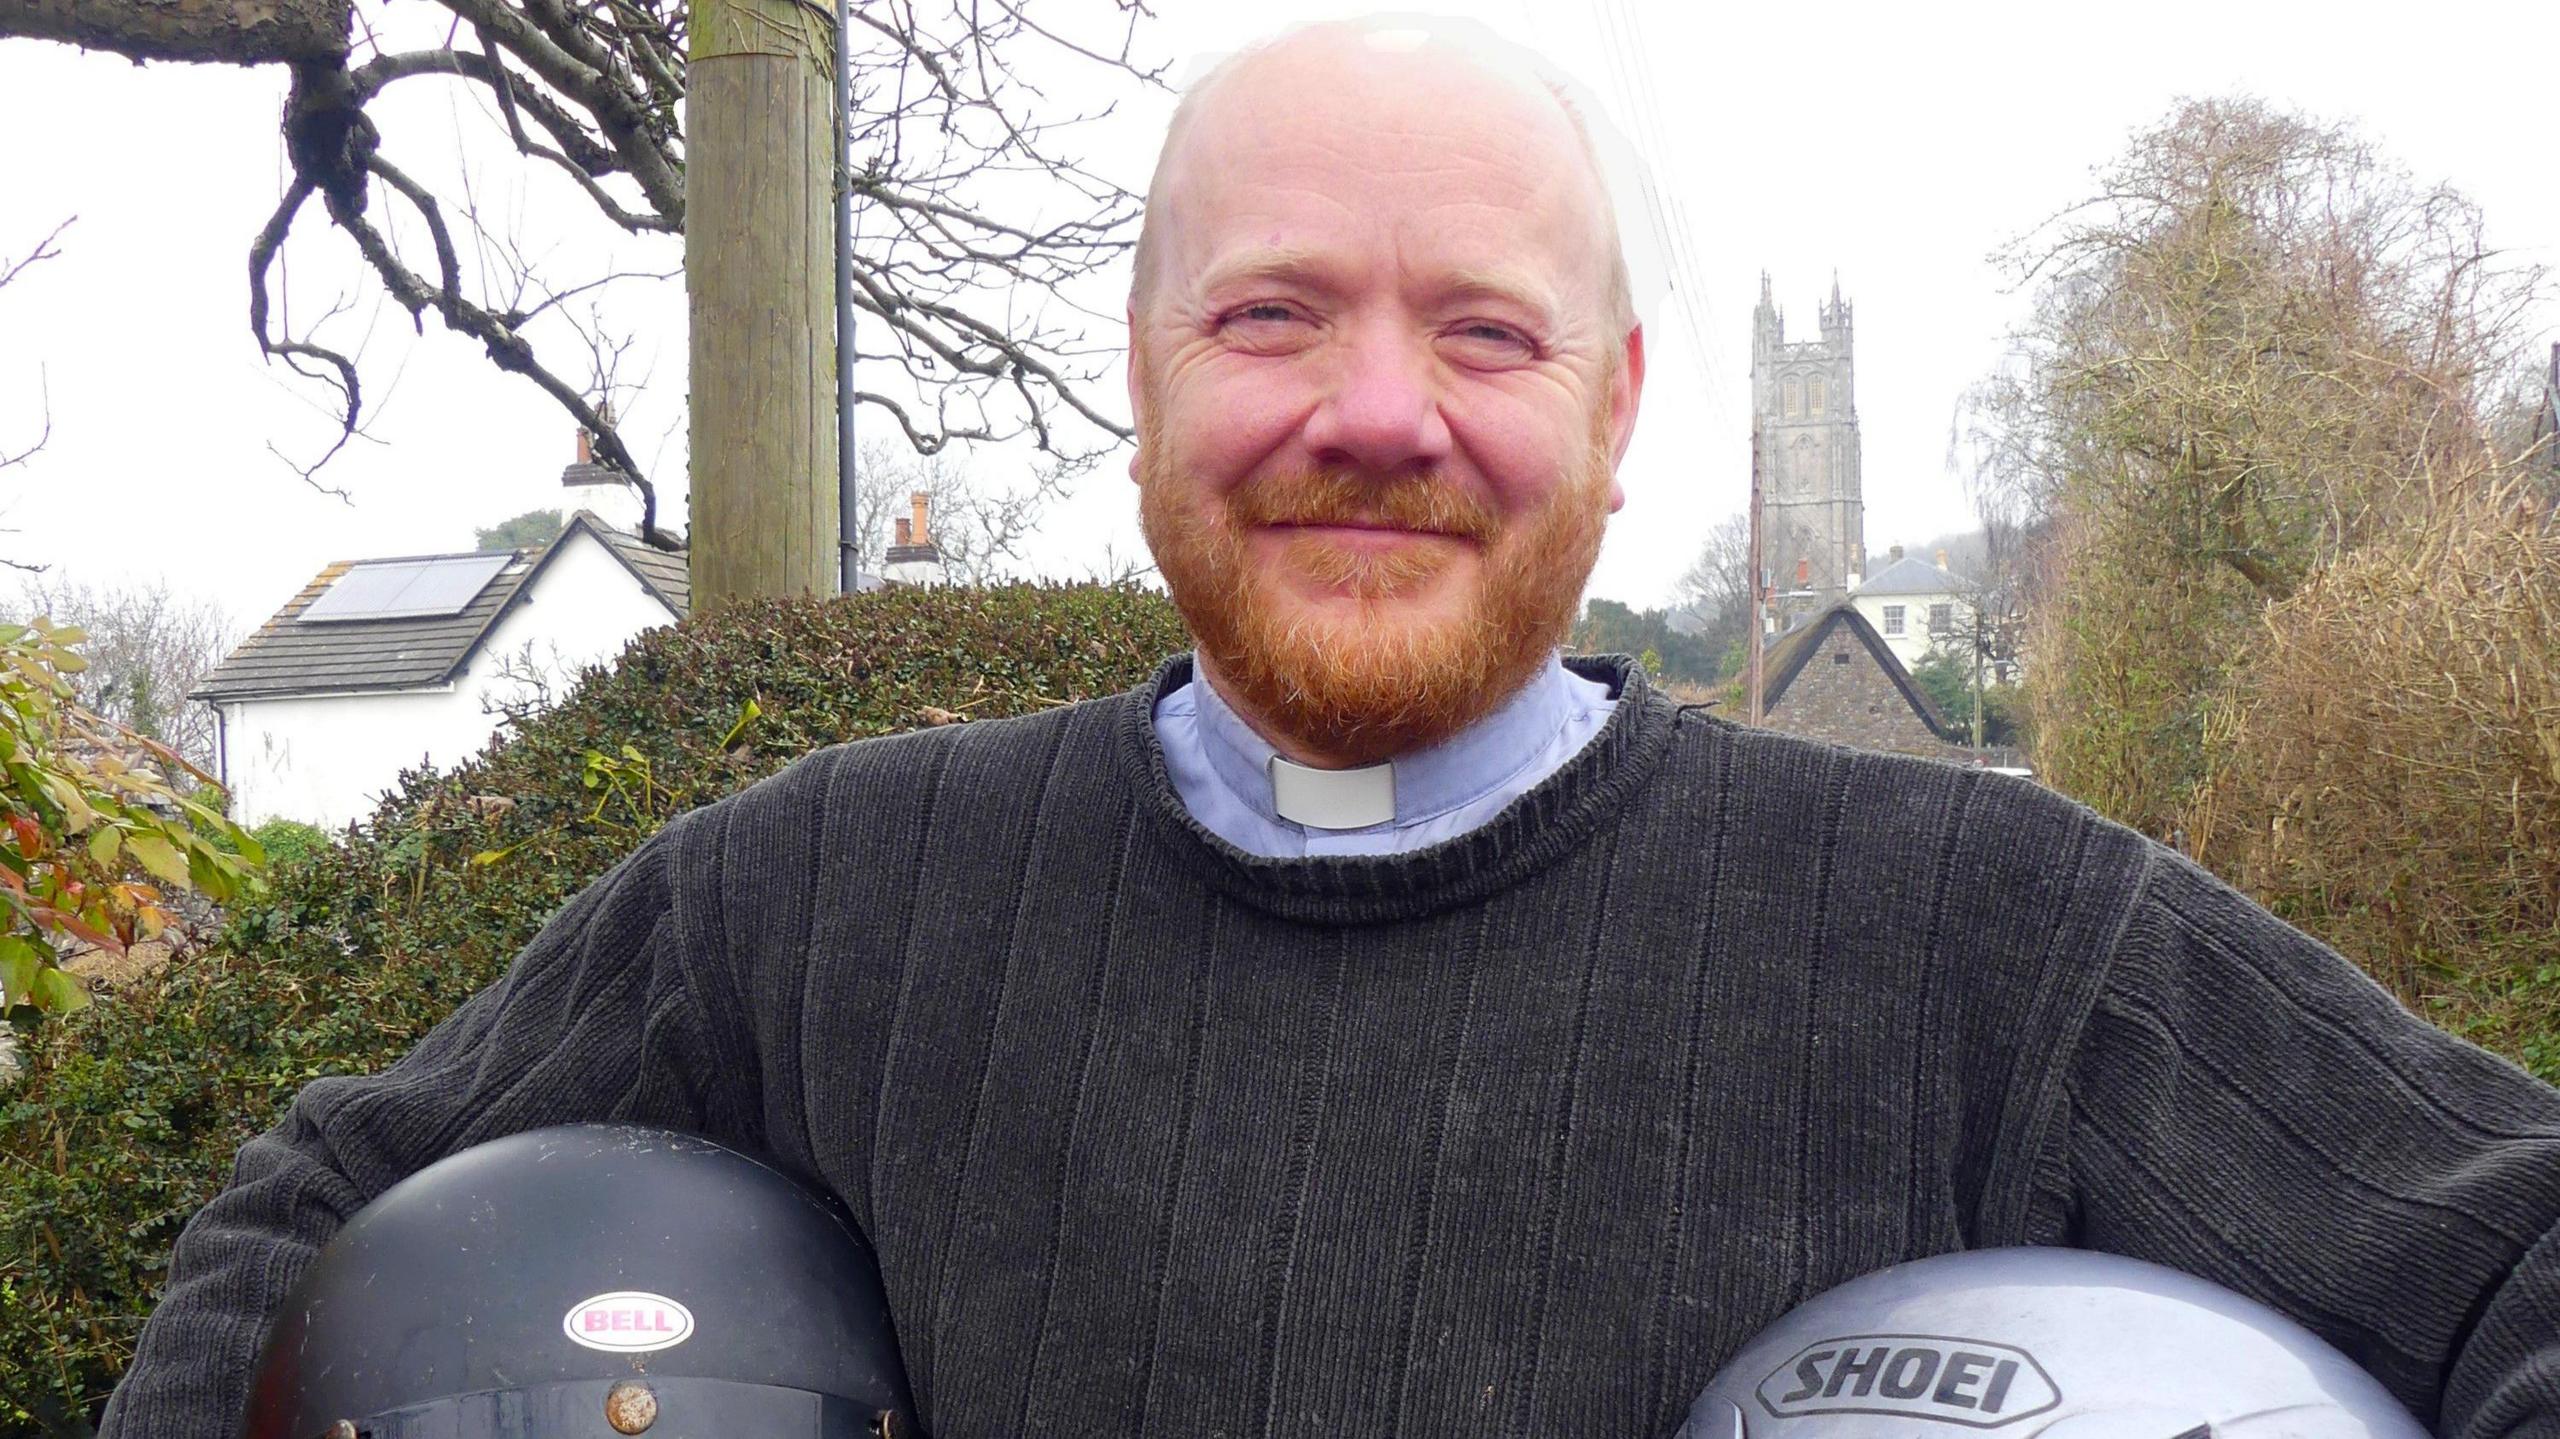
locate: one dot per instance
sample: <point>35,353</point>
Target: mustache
<point>1425,502</point>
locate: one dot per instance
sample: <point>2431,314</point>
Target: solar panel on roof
<point>407,589</point>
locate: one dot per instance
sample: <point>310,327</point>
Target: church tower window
<point>1813,397</point>
<point>1795,398</point>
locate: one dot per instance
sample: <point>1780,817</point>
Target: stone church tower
<point>1813,514</point>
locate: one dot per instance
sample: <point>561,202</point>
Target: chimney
<point>1804,573</point>
<point>584,471</point>
<point>1895,552</point>
<point>914,559</point>
<point>1942,559</point>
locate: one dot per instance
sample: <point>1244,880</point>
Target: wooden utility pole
<point>1756,640</point>
<point>1981,644</point>
<point>760,275</point>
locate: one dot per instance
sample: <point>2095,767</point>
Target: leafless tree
<point>976,216</point>
<point>13,454</point>
<point>2524,425</point>
<point>525,683</point>
<point>981,528</point>
<point>2248,340</point>
<point>10,270</point>
<point>147,648</point>
<point>1716,588</point>
<point>2257,348</point>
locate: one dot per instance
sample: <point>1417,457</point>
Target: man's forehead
<point>1358,76</point>
<point>1440,55</point>
<point>1382,129</point>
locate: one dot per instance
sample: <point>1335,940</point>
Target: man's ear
<point>1626,392</point>
<point>1137,392</point>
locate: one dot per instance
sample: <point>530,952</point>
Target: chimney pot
<point>1804,573</point>
<point>1942,559</point>
<point>586,448</point>
<point>919,500</point>
<point>1895,552</point>
<point>905,535</point>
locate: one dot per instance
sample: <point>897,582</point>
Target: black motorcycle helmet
<point>596,1280</point>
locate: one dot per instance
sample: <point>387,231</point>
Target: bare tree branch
<point>953,147</point>
<point>9,459</point>
<point>147,648</point>
<point>44,429</point>
<point>222,31</point>
<point>44,250</point>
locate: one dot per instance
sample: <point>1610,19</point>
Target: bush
<point>1947,679</point>
<point>95,829</point>
<point>1608,627</point>
<point>129,1114</point>
<point>289,840</point>
<point>2386,774</point>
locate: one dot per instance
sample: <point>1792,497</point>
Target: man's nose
<point>1382,412</point>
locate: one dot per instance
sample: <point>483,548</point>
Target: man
<point>1374,1027</point>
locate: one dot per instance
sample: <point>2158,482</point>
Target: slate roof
<point>1791,654</point>
<point>288,657</point>
<point>665,574</point>
<point>1911,575</point>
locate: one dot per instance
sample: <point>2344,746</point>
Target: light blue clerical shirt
<point>1241,791</point>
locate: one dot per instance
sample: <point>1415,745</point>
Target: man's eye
<point>1265,313</point>
<point>1483,340</point>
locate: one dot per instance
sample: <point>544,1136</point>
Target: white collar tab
<point>1333,798</point>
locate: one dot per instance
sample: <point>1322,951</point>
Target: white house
<point>1911,603</point>
<point>382,665</point>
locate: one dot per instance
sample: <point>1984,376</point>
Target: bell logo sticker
<point>629,1321</point>
<point>1968,1382</point>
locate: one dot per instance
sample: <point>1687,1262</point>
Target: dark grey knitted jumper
<point>1517,1135</point>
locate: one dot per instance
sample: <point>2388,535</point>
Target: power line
<point>1622,48</point>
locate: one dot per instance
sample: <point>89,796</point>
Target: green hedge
<point>289,841</point>
<point>129,1113</point>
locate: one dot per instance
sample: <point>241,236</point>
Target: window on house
<point>1839,657</point>
<point>1942,619</point>
<point>1813,397</point>
<point>1893,619</point>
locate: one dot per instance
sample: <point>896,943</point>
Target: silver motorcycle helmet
<point>2041,1344</point>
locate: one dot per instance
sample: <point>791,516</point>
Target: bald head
<point>1384,72</point>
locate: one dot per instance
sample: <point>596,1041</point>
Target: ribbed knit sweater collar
<point>1550,821</point>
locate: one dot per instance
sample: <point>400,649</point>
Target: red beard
<point>1372,679</point>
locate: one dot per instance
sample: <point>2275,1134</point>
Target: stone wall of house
<point>1843,696</point>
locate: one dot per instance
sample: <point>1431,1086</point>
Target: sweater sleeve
<point>603,1016</point>
<point>2248,1106</point>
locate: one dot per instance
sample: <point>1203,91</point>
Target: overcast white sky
<point>1894,144</point>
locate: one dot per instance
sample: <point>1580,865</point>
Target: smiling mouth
<point>1362,531</point>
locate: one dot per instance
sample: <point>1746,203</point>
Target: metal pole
<point>848,503</point>
<point>1757,625</point>
<point>1981,642</point>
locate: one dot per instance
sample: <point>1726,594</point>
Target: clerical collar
<point>1233,781</point>
<point>1333,798</point>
